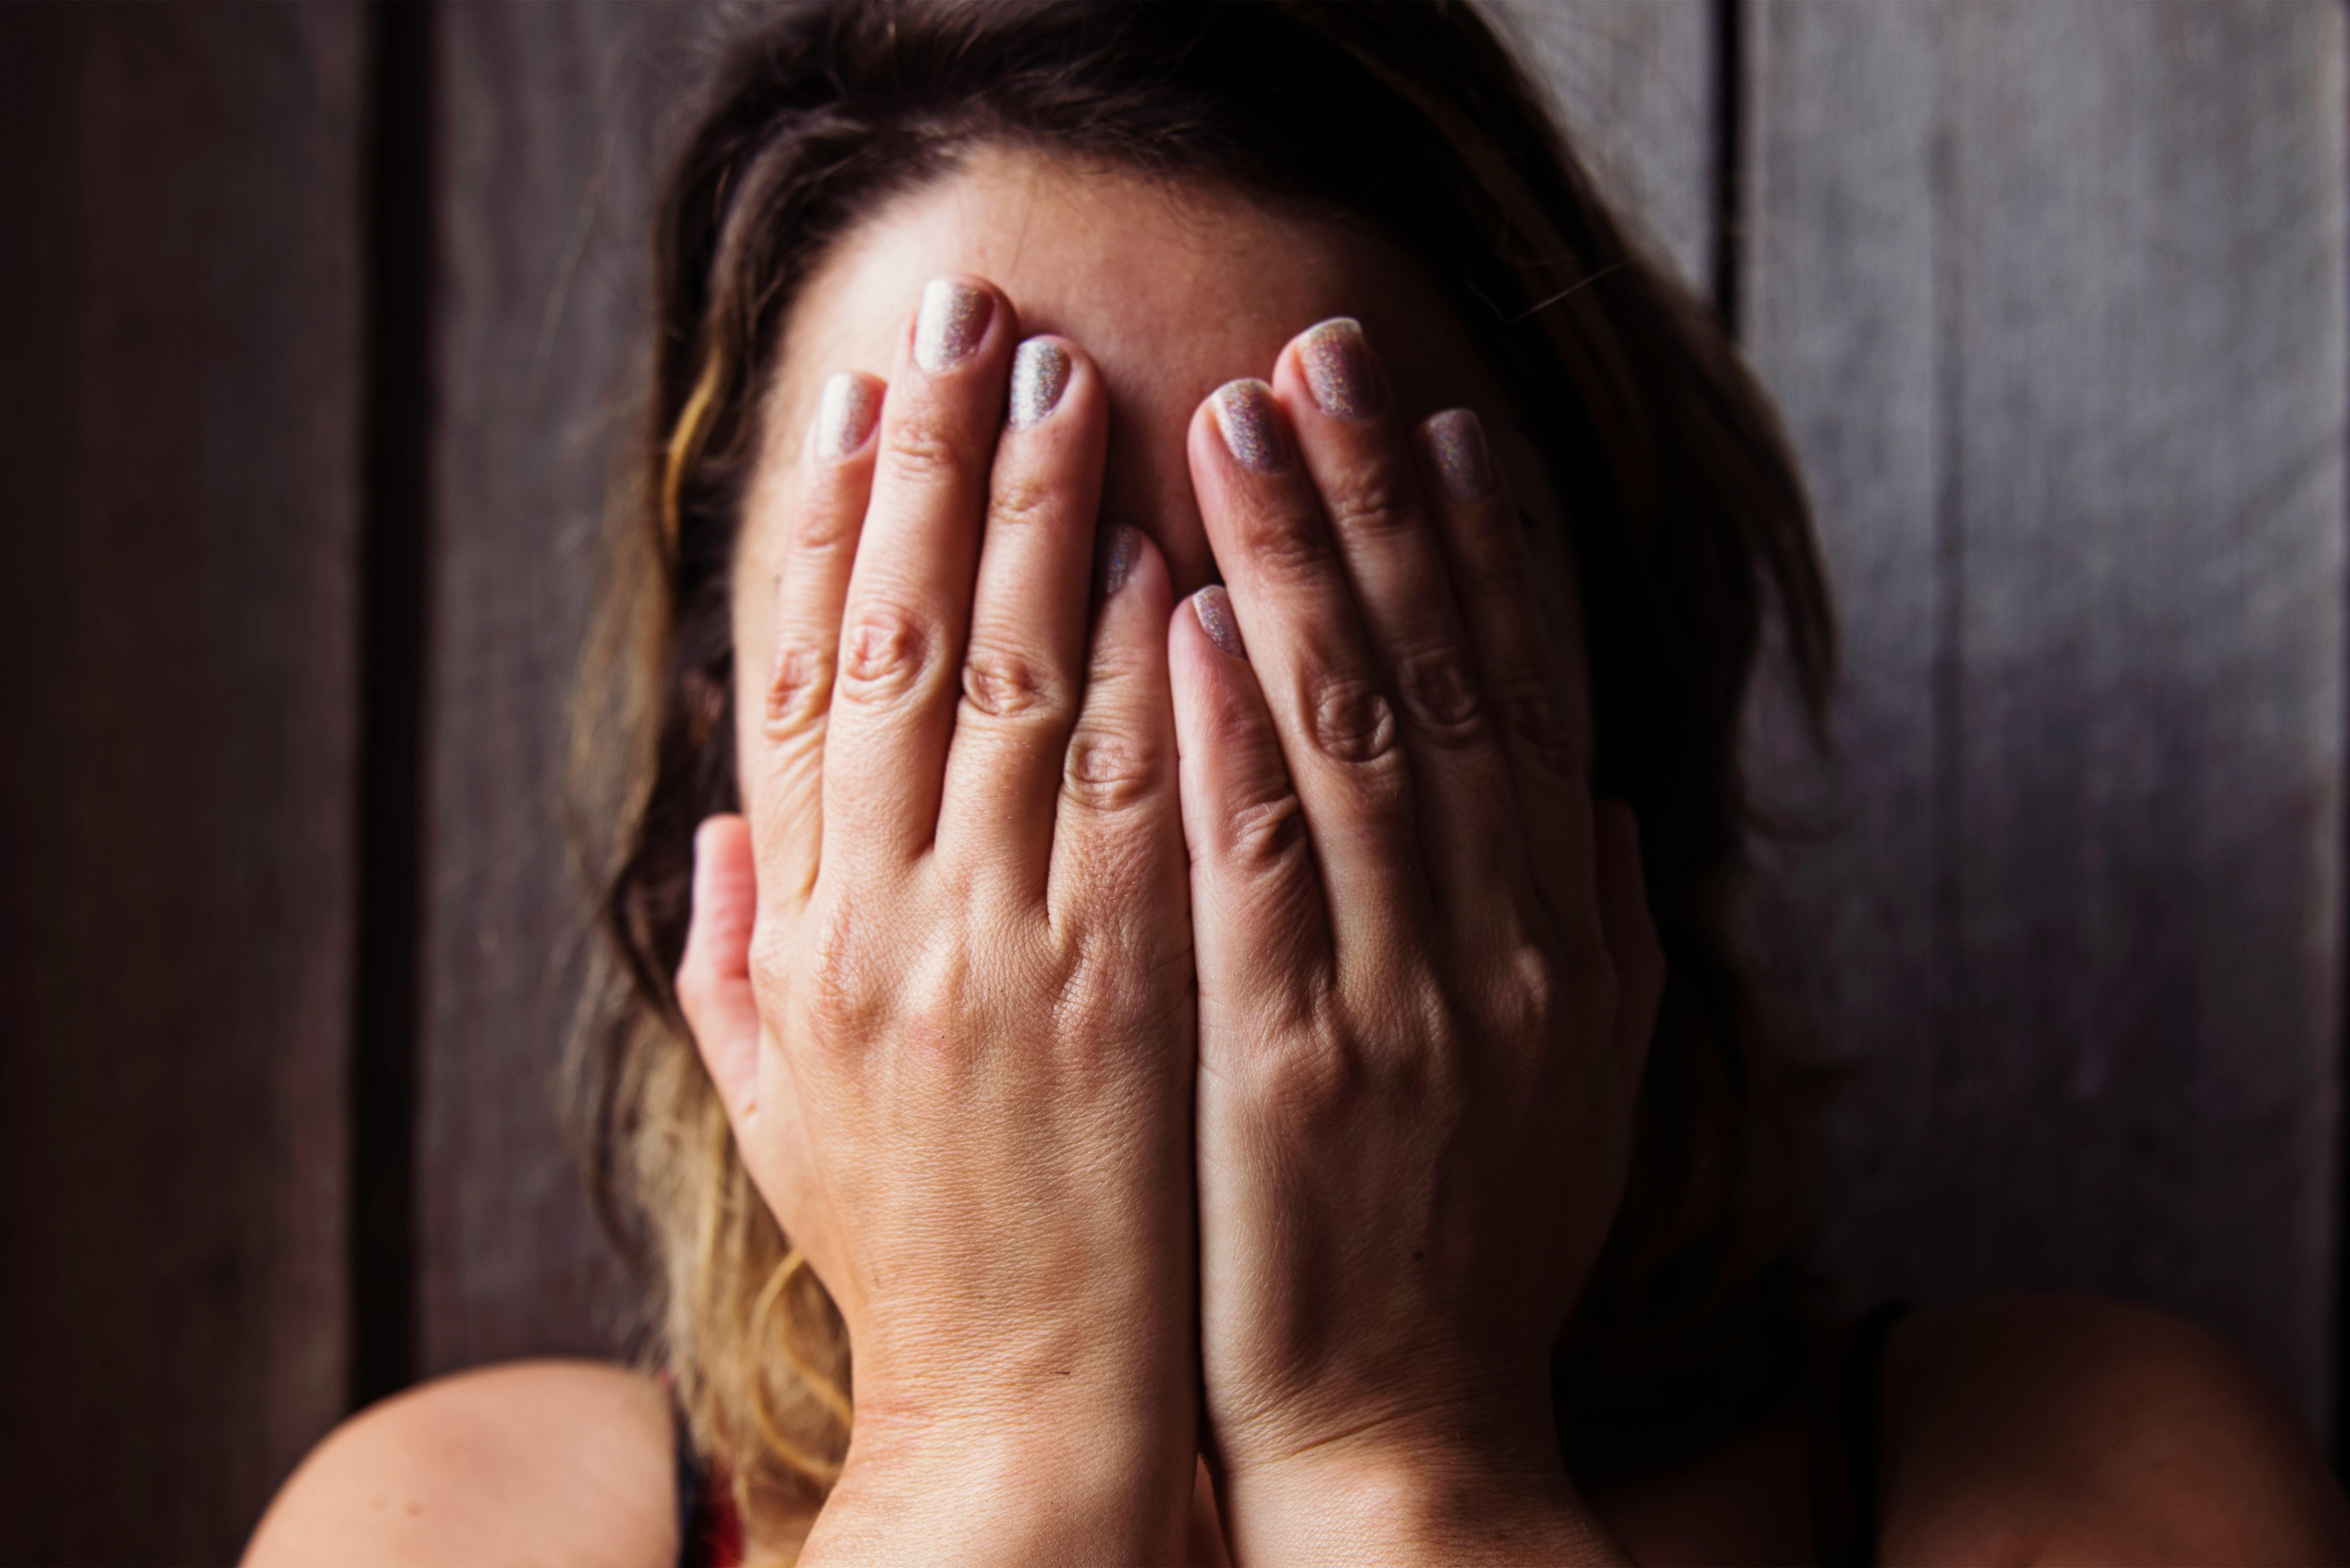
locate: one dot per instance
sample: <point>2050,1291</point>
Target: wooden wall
<point>2052,297</point>
<point>180,319</point>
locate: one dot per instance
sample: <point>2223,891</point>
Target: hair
<point>1688,532</point>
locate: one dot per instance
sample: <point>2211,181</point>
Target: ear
<point>713,980</point>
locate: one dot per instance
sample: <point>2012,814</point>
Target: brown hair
<point>1688,529</point>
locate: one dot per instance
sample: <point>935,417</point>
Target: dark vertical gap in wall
<point>1946,1006</point>
<point>2338,1434</point>
<point>1729,161</point>
<point>395,563</point>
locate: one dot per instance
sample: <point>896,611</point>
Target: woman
<point>1196,935</point>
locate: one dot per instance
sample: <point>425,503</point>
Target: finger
<point>1296,615</point>
<point>1117,838</point>
<point>1362,464</point>
<point>901,634</point>
<point>713,978</point>
<point>1262,934</point>
<point>1025,664</point>
<point>719,998</point>
<point>824,512</point>
<point>1631,935</point>
<point>1517,666</point>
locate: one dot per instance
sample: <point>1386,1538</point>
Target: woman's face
<point>1173,293</point>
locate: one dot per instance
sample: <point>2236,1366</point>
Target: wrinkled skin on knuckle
<point>1285,546</point>
<point>883,654</point>
<point>1021,500</point>
<point>1003,682</point>
<point>1534,722</point>
<point>1353,721</point>
<point>923,451</point>
<point>1111,773</point>
<point>799,692</point>
<point>1438,691</point>
<point>1371,505</point>
<point>1267,832</point>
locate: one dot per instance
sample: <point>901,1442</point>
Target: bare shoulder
<point>538,1461</point>
<point>2034,1428</point>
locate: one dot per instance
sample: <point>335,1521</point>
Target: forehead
<point>1173,289</point>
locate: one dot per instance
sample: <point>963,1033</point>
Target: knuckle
<point>1371,505</point>
<point>1003,682</point>
<point>883,653</point>
<point>1438,691</point>
<point>1267,831</point>
<point>1111,773</point>
<point>1287,545</point>
<point>1022,500</point>
<point>1533,722</point>
<point>842,1000</point>
<point>1353,721</point>
<point>923,450</point>
<point>798,693</point>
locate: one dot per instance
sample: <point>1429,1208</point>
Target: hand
<point>947,999</point>
<point>1427,981</point>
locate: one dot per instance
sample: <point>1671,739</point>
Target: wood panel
<point>182,297</point>
<point>2053,298</point>
<point>1631,80</point>
<point>547,124</point>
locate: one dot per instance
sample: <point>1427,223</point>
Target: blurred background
<point>315,322</point>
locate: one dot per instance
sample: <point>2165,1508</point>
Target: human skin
<point>2017,1430</point>
<point>942,975</point>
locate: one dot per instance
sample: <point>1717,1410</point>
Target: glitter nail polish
<point>1215,609</point>
<point>953,319</point>
<point>1457,450</point>
<point>1118,552</point>
<point>844,415</point>
<point>1250,426</point>
<point>1339,370</point>
<point>1040,372</point>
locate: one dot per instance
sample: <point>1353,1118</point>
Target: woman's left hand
<point>1427,981</point>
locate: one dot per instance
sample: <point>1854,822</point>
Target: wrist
<point>1460,1488</point>
<point>1056,1480</point>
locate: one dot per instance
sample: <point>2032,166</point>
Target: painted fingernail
<point>1040,371</point>
<point>1339,370</point>
<point>1457,450</point>
<point>844,415</point>
<point>1250,426</point>
<point>1117,559</point>
<point>1215,609</point>
<point>953,317</point>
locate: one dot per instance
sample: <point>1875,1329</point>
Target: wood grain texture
<point>549,158</point>
<point>2053,296</point>
<point>1630,79</point>
<point>182,297</point>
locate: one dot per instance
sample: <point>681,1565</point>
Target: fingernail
<point>1250,426</point>
<point>1117,559</point>
<point>953,317</point>
<point>1337,358</point>
<point>1215,609</point>
<point>844,415</point>
<point>1457,450</point>
<point>1040,370</point>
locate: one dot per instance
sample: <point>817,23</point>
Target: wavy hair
<point>1690,535</point>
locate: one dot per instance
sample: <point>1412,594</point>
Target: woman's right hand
<point>942,977</point>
